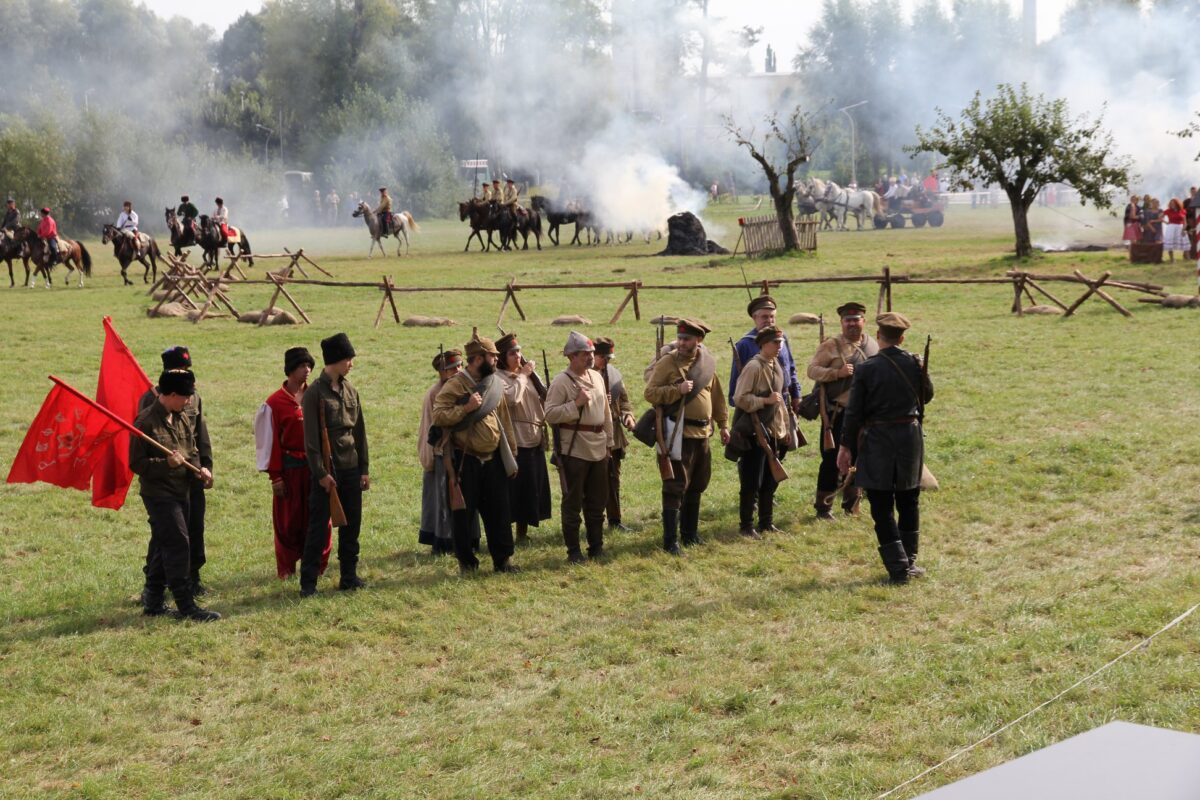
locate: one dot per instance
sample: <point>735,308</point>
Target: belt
<point>292,462</point>
<point>703,423</point>
<point>573,426</point>
<point>897,421</point>
<point>481,457</point>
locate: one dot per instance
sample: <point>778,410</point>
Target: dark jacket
<point>343,418</point>
<point>194,414</point>
<point>12,218</point>
<point>187,211</point>
<point>882,417</point>
<point>149,463</point>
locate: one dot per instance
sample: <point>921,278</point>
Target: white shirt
<point>221,214</point>
<point>128,221</point>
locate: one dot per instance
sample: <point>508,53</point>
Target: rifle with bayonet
<point>760,431</point>
<point>827,442</point>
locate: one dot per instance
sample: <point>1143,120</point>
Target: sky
<point>785,22</point>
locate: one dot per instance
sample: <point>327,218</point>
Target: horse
<point>126,251</point>
<point>10,248</point>
<point>482,218</point>
<point>181,237</point>
<point>527,223</point>
<point>400,225</point>
<point>555,216</point>
<point>73,255</point>
<point>859,202</point>
<point>212,239</point>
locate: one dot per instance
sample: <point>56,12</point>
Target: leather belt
<point>574,426</point>
<point>703,423</point>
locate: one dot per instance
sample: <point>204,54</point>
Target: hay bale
<point>1181,301</point>
<point>418,321</point>
<point>664,320</point>
<point>1051,310</point>
<point>168,310</point>
<point>570,319</point>
<point>277,316</point>
<point>803,319</point>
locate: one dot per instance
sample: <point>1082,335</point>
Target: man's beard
<point>486,369</point>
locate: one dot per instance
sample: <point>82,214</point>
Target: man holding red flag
<point>122,382</point>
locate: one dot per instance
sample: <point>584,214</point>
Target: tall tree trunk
<point>787,221</point>
<point>1020,215</point>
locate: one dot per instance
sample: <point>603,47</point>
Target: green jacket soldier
<point>621,410</point>
<point>331,406</point>
<point>883,416</point>
<point>832,368</point>
<point>165,486</point>
<point>688,374</point>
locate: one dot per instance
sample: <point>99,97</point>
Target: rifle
<point>749,296</point>
<point>453,488</point>
<point>827,442</point>
<point>760,432</point>
<point>337,514</point>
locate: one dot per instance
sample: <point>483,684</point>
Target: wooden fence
<point>763,234</point>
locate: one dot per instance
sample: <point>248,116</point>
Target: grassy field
<point>1066,530</point>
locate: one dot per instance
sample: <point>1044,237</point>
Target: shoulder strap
<point>909,384</point>
<point>492,393</point>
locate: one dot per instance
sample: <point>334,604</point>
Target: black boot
<point>895,560</point>
<point>670,520</point>
<point>350,582</point>
<point>153,602</point>
<point>689,523</point>
<point>911,540</point>
<point>824,505</point>
<point>198,588</point>
<point>188,608</point>
<point>766,513</point>
<point>746,515</point>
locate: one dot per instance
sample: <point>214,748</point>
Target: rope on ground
<point>1139,646</point>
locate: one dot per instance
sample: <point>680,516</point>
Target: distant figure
<point>1133,221</point>
<point>12,216</point>
<point>383,211</point>
<point>931,183</point>
<point>187,212</point>
<point>1173,236</point>
<point>220,217</point>
<point>714,192</point>
<point>48,232</point>
<point>332,201</point>
<point>316,205</point>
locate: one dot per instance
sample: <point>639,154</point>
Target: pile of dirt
<point>686,237</point>
<point>418,321</point>
<point>571,319</point>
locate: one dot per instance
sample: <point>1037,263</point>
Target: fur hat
<point>337,348</point>
<point>295,357</point>
<point>177,357</point>
<point>177,381</point>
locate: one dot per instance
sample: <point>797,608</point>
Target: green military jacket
<point>193,412</point>
<point>343,418</point>
<point>155,478</point>
<point>187,211</point>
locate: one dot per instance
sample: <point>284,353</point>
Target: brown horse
<point>71,254</point>
<point>11,248</point>
<point>212,239</point>
<point>483,218</point>
<point>126,251</point>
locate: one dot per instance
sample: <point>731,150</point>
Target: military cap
<point>337,348</point>
<point>760,302</point>
<point>479,345</point>
<point>768,334</point>
<point>604,346</point>
<point>295,357</point>
<point>177,357</point>
<point>578,343</point>
<point>692,327</point>
<point>893,319</point>
<point>383,188</point>
<point>508,180</point>
<point>507,342</point>
<point>177,381</point>
<point>852,309</point>
<point>448,359</point>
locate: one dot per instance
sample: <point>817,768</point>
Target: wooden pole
<point>1092,287</point>
<point>887,282</point>
<point>1051,297</point>
<point>628,296</point>
<point>637,312</point>
<point>266,314</point>
<point>1016,303</point>
<point>512,292</point>
<point>292,300</point>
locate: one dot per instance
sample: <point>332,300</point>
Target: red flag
<point>122,383</point>
<point>68,436</point>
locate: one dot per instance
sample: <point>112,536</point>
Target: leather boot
<point>895,560</point>
<point>746,515</point>
<point>766,513</point>
<point>350,582</point>
<point>824,505</point>
<point>188,608</point>
<point>670,520</point>
<point>153,602</point>
<point>689,523</point>
<point>198,588</point>
<point>911,540</point>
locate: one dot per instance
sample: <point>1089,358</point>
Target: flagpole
<point>128,426</point>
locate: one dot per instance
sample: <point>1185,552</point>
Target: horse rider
<point>510,197</point>
<point>48,232</point>
<point>220,217</point>
<point>384,211</point>
<point>127,222</point>
<point>187,212</point>
<point>485,194</point>
<point>12,218</point>
<point>497,194</point>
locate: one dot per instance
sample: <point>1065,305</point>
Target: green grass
<point>1066,530</point>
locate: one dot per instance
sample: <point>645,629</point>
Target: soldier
<point>279,442</point>
<point>435,509</point>
<point>762,310</point>
<point>529,492</point>
<point>759,393</point>
<point>12,217</point>
<point>497,194</point>
<point>578,405</point>
<point>485,194</point>
<point>884,417</point>
<point>510,196</point>
<point>178,357</point>
<point>331,406</point>
<point>187,212</point>
<point>832,368</point>
<point>689,374</point>
<point>165,486</point>
<point>383,212</point>
<point>622,420</point>
<point>472,406</point>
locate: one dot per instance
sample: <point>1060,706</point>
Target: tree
<point>780,152</point>
<point>1021,143</point>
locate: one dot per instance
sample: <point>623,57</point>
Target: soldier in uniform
<point>884,415</point>
<point>383,212</point>
<point>332,403</point>
<point>529,492</point>
<point>12,217</point>
<point>622,420</point>
<point>832,368</point>
<point>760,393</point>
<point>578,405</point>
<point>435,509</point>
<point>472,407</point>
<point>497,195</point>
<point>173,358</point>
<point>511,196</point>
<point>485,193</point>
<point>762,310</point>
<point>165,487</point>
<point>689,374</point>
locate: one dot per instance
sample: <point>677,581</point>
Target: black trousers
<point>613,506</point>
<point>485,489</point>
<point>196,510</point>
<point>587,492</point>
<point>886,505</point>
<point>349,487</point>
<point>167,559</point>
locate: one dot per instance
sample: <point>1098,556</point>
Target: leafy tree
<point>1021,143</point>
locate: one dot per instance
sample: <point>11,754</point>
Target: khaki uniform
<point>482,438</point>
<point>585,439</point>
<point>528,418</point>
<point>758,379</point>
<point>385,205</point>
<point>509,196</point>
<point>487,195</point>
<point>829,358</point>
<point>708,406</point>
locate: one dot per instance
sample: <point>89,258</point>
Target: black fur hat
<point>177,357</point>
<point>337,348</point>
<point>177,381</point>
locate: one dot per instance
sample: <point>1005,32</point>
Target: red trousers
<point>290,515</point>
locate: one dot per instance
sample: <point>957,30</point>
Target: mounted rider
<point>127,222</point>
<point>220,217</point>
<point>511,197</point>
<point>497,193</point>
<point>187,213</point>
<point>48,232</point>
<point>12,218</point>
<point>383,212</point>
<point>485,193</point>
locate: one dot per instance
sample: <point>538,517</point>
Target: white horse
<point>402,223</point>
<point>837,201</point>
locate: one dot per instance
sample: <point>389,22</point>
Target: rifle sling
<point>492,393</point>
